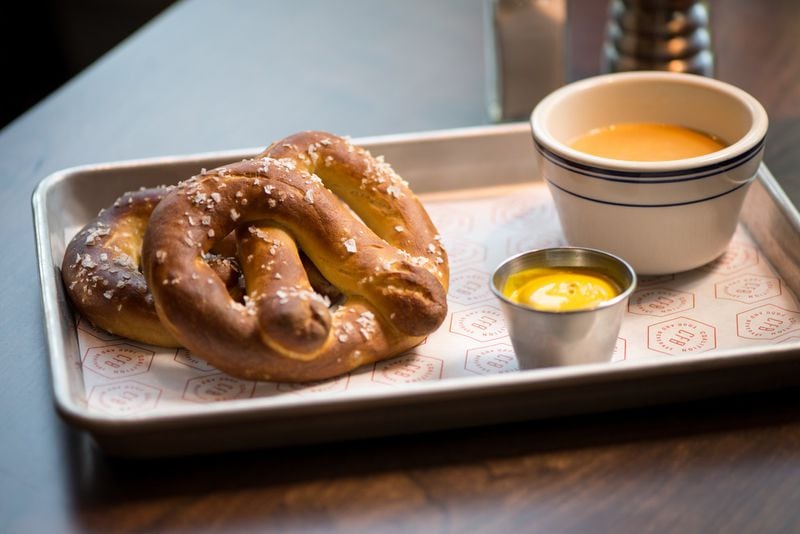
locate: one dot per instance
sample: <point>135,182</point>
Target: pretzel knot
<point>380,250</point>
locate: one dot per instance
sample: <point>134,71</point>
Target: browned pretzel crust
<point>392,270</point>
<point>101,272</point>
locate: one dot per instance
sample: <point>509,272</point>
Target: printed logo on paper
<point>118,361</point>
<point>535,240</point>
<point>448,221</point>
<point>407,369</point>
<point>494,359</point>
<point>483,323</point>
<point>124,398</point>
<point>660,302</point>
<point>317,387</point>
<point>184,357</point>
<point>766,322</point>
<point>469,286</point>
<point>461,252</point>
<point>523,212</point>
<point>682,335</point>
<point>738,256</point>
<point>217,387</point>
<point>748,288</point>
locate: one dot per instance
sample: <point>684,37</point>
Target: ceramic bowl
<point>661,216</point>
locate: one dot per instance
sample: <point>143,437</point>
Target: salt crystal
<point>394,191</point>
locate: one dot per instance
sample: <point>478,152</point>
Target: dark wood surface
<point>209,76</point>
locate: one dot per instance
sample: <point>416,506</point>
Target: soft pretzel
<point>388,262</point>
<point>101,273</point>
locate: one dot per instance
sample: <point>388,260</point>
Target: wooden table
<point>212,75</point>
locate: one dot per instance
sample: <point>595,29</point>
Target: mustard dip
<point>559,289</point>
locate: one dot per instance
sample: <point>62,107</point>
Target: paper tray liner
<point>736,301</point>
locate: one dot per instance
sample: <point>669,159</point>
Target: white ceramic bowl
<point>660,216</point>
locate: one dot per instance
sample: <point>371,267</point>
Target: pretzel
<point>386,259</point>
<point>101,273</point>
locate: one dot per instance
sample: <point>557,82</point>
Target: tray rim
<point>268,407</point>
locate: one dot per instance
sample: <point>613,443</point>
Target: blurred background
<point>53,40</point>
<point>50,41</point>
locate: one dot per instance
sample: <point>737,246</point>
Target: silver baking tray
<point>432,161</point>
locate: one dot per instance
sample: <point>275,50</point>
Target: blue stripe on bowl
<point>648,205</point>
<point>649,177</point>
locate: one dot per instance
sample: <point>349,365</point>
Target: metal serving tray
<point>435,163</point>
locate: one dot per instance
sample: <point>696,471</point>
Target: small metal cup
<point>547,338</point>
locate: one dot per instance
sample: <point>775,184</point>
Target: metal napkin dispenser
<point>526,54</point>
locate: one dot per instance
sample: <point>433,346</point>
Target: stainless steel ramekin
<point>548,338</point>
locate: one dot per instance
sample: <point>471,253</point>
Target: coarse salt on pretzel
<point>101,272</point>
<point>391,267</point>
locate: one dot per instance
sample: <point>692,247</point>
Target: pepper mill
<point>671,35</point>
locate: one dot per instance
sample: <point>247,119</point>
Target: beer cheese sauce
<point>646,142</point>
<point>559,289</point>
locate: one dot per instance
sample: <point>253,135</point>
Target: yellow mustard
<point>559,289</point>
